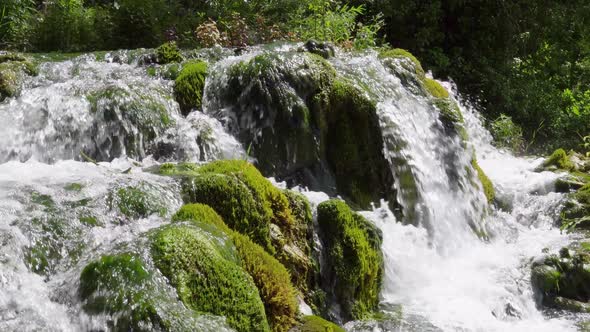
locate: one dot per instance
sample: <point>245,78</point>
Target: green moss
<point>559,159</point>
<point>401,53</point>
<point>353,144</point>
<point>449,111</point>
<point>189,85</point>
<point>247,202</point>
<point>207,278</point>
<point>167,53</point>
<point>74,187</point>
<point>435,89</point>
<point>354,259</point>
<point>137,202</point>
<point>273,282</point>
<point>13,69</point>
<point>270,276</point>
<point>89,220</point>
<point>119,284</point>
<point>488,186</point>
<point>200,212</point>
<point>317,324</point>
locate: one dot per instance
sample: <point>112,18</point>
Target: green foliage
<point>486,183</point>
<point>317,324</point>
<point>168,52</point>
<point>207,277</point>
<point>16,23</point>
<point>66,26</point>
<point>507,134</point>
<point>353,256</point>
<point>273,282</point>
<point>560,159</point>
<point>188,86</point>
<point>322,21</point>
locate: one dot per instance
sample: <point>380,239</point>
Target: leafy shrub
<point>507,134</point>
<point>16,23</point>
<point>66,26</point>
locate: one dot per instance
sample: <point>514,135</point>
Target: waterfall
<point>453,262</point>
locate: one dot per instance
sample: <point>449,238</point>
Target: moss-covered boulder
<point>316,324</point>
<point>576,210</point>
<point>563,280</point>
<point>139,201</point>
<point>13,70</point>
<point>167,53</point>
<point>273,282</point>
<point>304,124</point>
<point>354,262</point>
<point>353,145</point>
<point>559,160</point>
<point>122,287</point>
<point>269,275</point>
<point>189,85</point>
<point>205,269</point>
<point>128,119</point>
<point>404,64</point>
<point>277,220</point>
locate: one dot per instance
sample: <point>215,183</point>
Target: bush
<point>168,53</point>
<point>507,134</point>
<point>66,26</point>
<point>16,23</point>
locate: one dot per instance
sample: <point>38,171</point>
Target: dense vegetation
<point>528,63</point>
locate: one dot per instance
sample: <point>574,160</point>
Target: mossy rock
<point>189,85</point>
<point>559,159</point>
<point>129,119</point>
<point>296,116</point>
<point>576,210</point>
<point>167,53</point>
<point>247,202</point>
<point>119,284</point>
<point>486,183</point>
<point>13,71</point>
<point>353,144</point>
<point>398,53</point>
<point>562,278</point>
<point>269,275</point>
<point>354,261</point>
<point>317,324</point>
<point>135,202</point>
<point>270,95</point>
<point>123,288</point>
<point>207,276</point>
<point>435,89</point>
<point>273,282</point>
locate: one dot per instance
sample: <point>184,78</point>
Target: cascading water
<point>451,262</point>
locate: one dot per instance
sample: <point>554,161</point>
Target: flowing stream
<point>452,262</point>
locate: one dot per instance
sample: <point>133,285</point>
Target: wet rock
<point>325,50</point>
<point>563,281</point>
